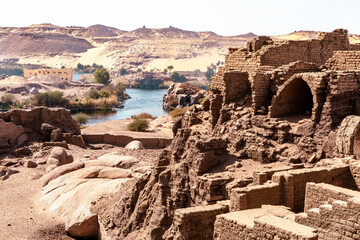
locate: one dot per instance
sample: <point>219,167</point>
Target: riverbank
<point>115,132</point>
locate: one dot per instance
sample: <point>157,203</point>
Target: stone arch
<point>295,97</point>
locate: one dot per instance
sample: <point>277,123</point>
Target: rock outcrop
<point>33,119</point>
<point>182,95</point>
<point>73,189</point>
<point>44,124</point>
<point>11,135</point>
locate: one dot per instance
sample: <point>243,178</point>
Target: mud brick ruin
<point>287,101</point>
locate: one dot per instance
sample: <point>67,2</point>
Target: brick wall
<point>195,222</point>
<point>322,193</point>
<point>288,188</point>
<point>338,220</point>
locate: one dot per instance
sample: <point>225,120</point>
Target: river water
<point>148,101</point>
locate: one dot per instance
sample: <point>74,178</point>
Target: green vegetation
<point>87,68</point>
<point>106,98</point>
<point>209,73</point>
<point>11,71</point>
<point>177,77</point>
<point>50,99</point>
<point>102,76</point>
<point>177,112</point>
<point>138,125</point>
<point>81,118</point>
<point>144,116</point>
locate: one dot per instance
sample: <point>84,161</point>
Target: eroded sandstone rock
<point>58,156</point>
<point>135,145</point>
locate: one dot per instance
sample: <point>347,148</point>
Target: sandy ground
<point>23,216</point>
<point>158,128</point>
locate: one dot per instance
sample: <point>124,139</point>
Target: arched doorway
<point>294,99</point>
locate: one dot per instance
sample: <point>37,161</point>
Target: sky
<point>224,17</point>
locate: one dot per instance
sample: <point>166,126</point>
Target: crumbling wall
<point>288,188</point>
<point>195,222</point>
<point>237,86</point>
<point>344,60</point>
<point>316,51</point>
<point>267,222</point>
<point>321,193</point>
<point>336,220</point>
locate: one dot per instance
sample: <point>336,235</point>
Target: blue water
<point>148,101</point>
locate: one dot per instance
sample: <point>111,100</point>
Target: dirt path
<point>23,216</point>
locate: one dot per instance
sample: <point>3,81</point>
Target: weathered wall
<point>288,188</point>
<point>321,193</point>
<point>255,196</point>
<point>195,222</point>
<point>237,86</point>
<point>123,140</point>
<point>264,223</point>
<point>316,51</point>
<point>338,220</point>
<point>344,60</point>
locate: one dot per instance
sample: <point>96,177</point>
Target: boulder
<point>73,200</point>
<point>58,156</point>
<point>113,160</point>
<point>30,164</point>
<point>11,135</point>
<point>55,173</point>
<point>135,145</point>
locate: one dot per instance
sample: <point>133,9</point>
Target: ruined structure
<point>65,74</point>
<point>290,101</point>
<point>41,123</point>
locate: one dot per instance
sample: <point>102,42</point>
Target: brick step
<point>268,222</point>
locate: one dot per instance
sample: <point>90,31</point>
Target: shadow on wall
<point>295,99</point>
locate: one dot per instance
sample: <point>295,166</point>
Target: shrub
<point>92,94</point>
<point>81,118</point>
<point>144,116</point>
<point>178,112</point>
<point>138,125</point>
<point>8,98</point>
<point>51,99</point>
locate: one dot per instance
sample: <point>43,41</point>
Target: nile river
<point>149,101</point>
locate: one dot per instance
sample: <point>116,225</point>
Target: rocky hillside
<point>141,48</point>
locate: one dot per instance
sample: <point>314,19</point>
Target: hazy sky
<point>225,17</point>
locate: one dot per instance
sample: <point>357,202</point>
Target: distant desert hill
<point>24,44</point>
<point>143,48</point>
